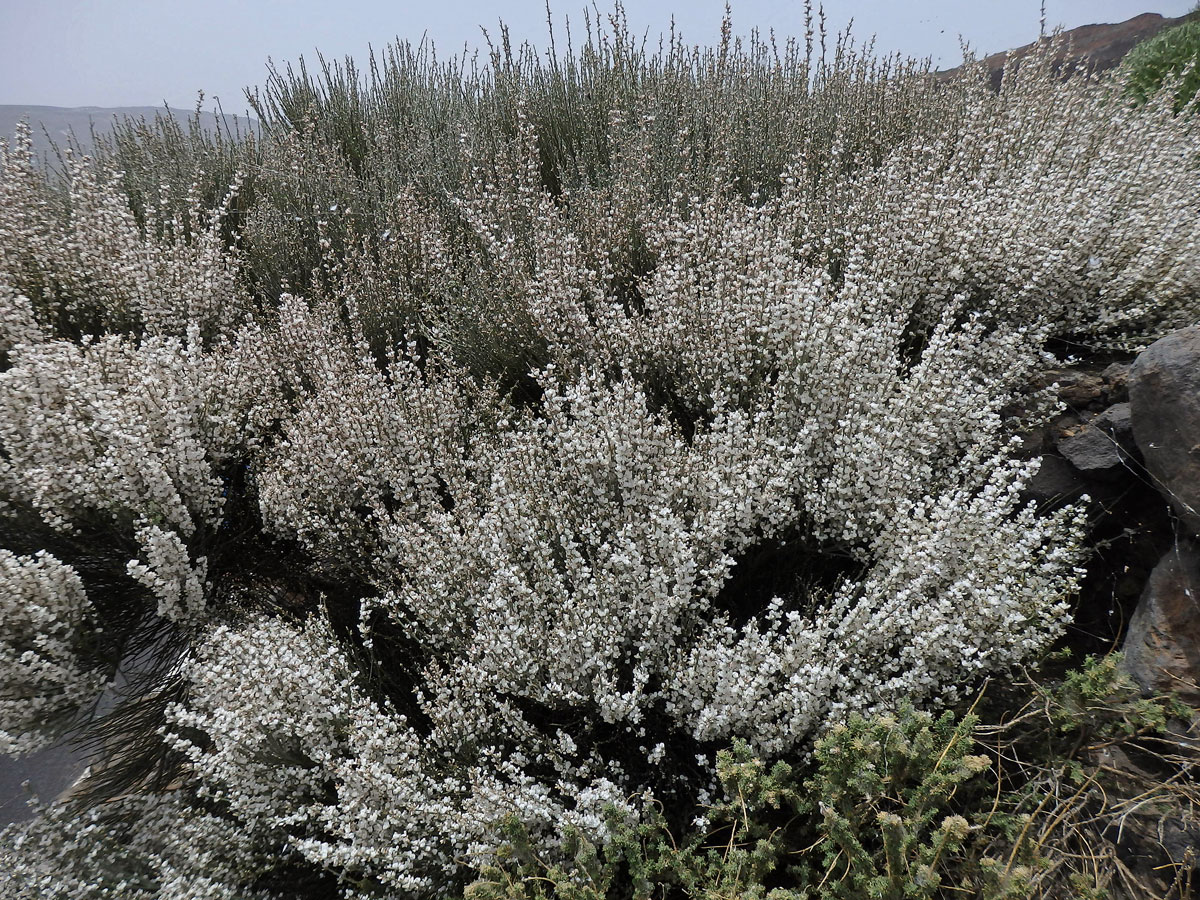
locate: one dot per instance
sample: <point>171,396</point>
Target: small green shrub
<point>876,817</point>
<point>889,807</point>
<point>884,789</point>
<point>1172,55</point>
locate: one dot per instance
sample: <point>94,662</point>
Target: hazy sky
<point>142,52</point>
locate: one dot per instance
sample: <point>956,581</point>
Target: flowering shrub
<point>1080,231</point>
<point>550,484</point>
<point>46,612</point>
<point>84,259</point>
<point>136,848</point>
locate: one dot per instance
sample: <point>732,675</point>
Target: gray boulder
<point>1103,446</point>
<point>1164,396</point>
<point>1162,645</point>
<point>1116,381</point>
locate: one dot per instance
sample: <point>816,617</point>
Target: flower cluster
<point>303,758</point>
<point>1056,201</point>
<point>132,848</point>
<point>46,613</point>
<point>169,574</point>
<point>88,261</point>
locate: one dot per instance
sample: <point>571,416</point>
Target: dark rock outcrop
<point>1162,646</point>
<point>44,775</point>
<point>1089,446</point>
<point>1164,392</point>
<point>1102,446</point>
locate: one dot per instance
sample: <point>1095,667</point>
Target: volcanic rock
<point>1102,446</point>
<point>1164,395</point>
<point>1162,646</point>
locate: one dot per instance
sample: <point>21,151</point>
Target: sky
<point>147,52</point>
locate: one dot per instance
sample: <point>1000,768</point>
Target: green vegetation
<point>897,806</point>
<point>1171,58</point>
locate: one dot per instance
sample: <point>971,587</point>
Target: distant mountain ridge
<point>1101,46</point>
<point>58,123</point>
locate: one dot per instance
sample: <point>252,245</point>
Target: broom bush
<point>481,451</point>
